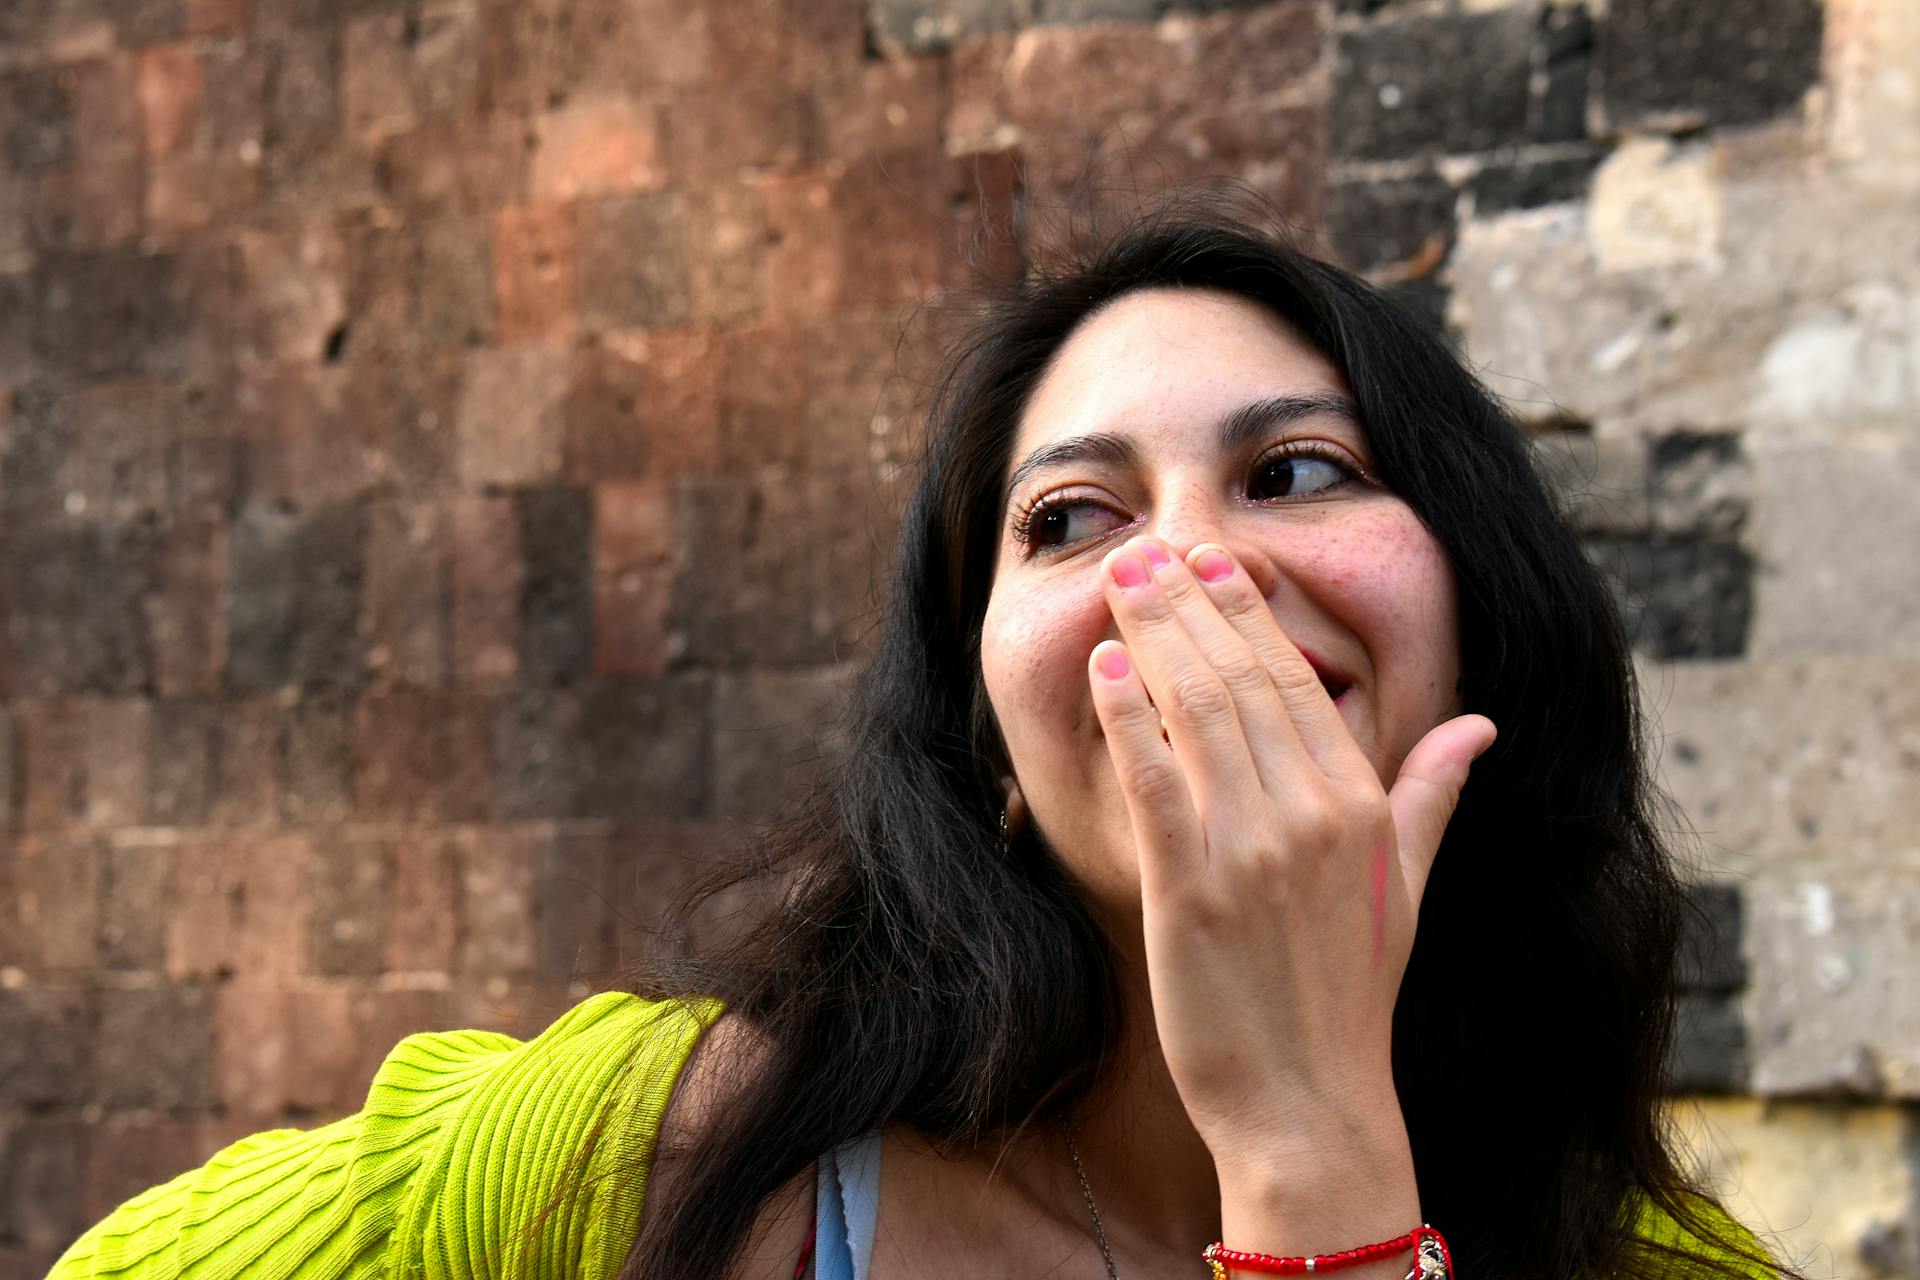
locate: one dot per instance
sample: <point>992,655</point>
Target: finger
<point>1427,790</point>
<point>1165,826</point>
<point>1266,725</point>
<point>1314,718</point>
<point>1202,725</point>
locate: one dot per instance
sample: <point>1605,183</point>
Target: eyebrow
<point>1248,422</point>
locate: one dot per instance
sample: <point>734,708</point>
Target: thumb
<point>1427,790</point>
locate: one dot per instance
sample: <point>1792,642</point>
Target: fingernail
<point>1112,662</point>
<point>1128,571</point>
<point>1212,565</point>
<point>1155,553</point>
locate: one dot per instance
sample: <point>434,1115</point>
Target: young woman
<point>1244,837</point>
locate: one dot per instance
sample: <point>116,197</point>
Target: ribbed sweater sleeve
<point>470,1159</point>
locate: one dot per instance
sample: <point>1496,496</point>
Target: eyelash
<point>1025,518</point>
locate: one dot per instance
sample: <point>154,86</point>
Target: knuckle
<point>1242,673</point>
<point>1316,821</point>
<point>1153,781</point>
<point>1199,698</point>
<point>1294,677</point>
<point>1137,718</point>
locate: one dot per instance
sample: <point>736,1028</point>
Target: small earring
<point>1005,844</point>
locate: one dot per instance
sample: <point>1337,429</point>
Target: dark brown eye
<point>1288,477</point>
<point>1063,523</point>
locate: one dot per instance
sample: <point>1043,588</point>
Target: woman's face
<point>1198,416</point>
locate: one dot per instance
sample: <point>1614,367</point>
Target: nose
<point>1186,525</point>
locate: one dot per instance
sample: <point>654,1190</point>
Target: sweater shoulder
<point>475,1154</point>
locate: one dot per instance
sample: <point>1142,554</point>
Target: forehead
<point>1166,362</point>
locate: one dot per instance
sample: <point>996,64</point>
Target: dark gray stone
<point>644,750</point>
<point>556,594</point>
<point>316,760</point>
<point>155,1049</point>
<point>46,1043</point>
<point>77,621</point>
<point>1527,184</point>
<point>1683,64</point>
<point>1432,84</point>
<point>36,119</point>
<point>538,764</point>
<point>136,886</point>
<point>295,603</point>
<point>1379,223</point>
<point>102,315</point>
<point>183,762</point>
<point>1566,56</point>
<point>1710,1053</point>
<point>1710,959</point>
<point>1680,596</point>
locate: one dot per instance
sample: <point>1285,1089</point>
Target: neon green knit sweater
<point>466,1138</point>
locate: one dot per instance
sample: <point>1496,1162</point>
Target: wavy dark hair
<point>911,971</point>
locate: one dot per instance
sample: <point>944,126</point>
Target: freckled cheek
<point>1034,653</point>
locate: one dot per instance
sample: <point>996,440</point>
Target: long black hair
<point>912,971</point>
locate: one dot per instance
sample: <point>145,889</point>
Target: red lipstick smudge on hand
<point>1381,853</point>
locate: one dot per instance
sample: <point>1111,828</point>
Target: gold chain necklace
<point>1099,1232</point>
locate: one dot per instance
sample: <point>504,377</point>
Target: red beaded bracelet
<point>1432,1260</point>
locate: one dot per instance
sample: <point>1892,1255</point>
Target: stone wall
<point>446,444</point>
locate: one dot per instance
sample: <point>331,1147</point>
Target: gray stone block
<point>155,1049</point>
<point>1710,959</point>
<point>772,732</point>
<point>1680,596</point>
<point>77,619</point>
<point>1397,87</point>
<point>294,617</point>
<point>1710,1046</point>
<point>1379,223</point>
<point>556,592</point>
<point>1680,63</point>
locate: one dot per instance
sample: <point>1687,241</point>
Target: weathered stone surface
<point>1407,222</point>
<point>295,613</point>
<point>556,593</point>
<point>136,887</point>
<point>510,423</point>
<point>1397,87</point>
<point>1687,596</point>
<point>632,261</point>
<point>76,620</point>
<point>1710,1052</point>
<point>1831,1186</point>
<point>1671,63</point>
<point>350,881</point>
<point>48,1045</point>
<point>1835,582</point>
<point>156,1048</point>
<point>1654,206</point>
<point>500,901</point>
<point>644,750</point>
<point>110,314</point>
<point>770,734</point>
<point>1780,765</point>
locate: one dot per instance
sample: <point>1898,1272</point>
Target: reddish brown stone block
<point>46,1046</point>
<point>468,779</point>
<point>294,290</point>
<point>187,615</point>
<point>169,81</point>
<point>726,232</point>
<point>534,274</point>
<point>305,445</point>
<point>806,394</point>
<point>632,578</point>
<point>183,768</point>
<point>321,1071</point>
<point>445,65</point>
<point>214,17</point>
<point>577,921</point>
<point>246,792</point>
<point>136,893</point>
<point>421,925</point>
<point>316,761</point>
<point>51,740</point>
<point>632,261</point>
<point>408,587</point>
<point>376,87</point>
<point>463,166</point>
<point>254,1053</point>
<point>185,193</point>
<point>456,283</point>
<point>876,107</point>
<point>644,404</point>
<point>714,131</point>
<point>240,907</point>
<point>350,880</point>
<point>596,146</point>
<point>511,418</point>
<point>400,753</point>
<point>486,590</point>
<point>865,235</point>
<point>117,740</point>
<point>95,201</point>
<point>57,888</point>
<point>382,1018</point>
<point>499,902</point>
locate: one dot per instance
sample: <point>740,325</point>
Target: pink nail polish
<point>1213,565</point>
<point>1113,663</point>
<point>1128,571</point>
<point>1155,553</point>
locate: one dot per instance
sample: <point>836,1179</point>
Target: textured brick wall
<point>445,443</point>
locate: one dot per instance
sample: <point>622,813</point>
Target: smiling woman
<point>1244,844</point>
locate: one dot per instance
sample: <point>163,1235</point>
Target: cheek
<point>1033,655</point>
<point>1390,580</point>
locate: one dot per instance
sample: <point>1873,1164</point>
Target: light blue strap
<point>848,1201</point>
